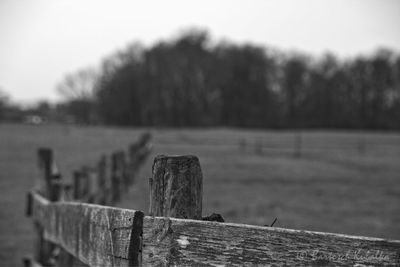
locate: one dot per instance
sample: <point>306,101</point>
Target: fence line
<point>103,236</point>
<point>96,235</point>
<point>176,234</point>
<point>103,184</point>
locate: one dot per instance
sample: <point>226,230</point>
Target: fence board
<point>190,242</point>
<point>96,235</point>
<point>99,235</point>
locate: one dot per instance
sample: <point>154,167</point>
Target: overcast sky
<point>42,40</point>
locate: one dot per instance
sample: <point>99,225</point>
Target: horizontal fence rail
<point>105,236</point>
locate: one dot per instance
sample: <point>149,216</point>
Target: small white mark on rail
<point>183,241</point>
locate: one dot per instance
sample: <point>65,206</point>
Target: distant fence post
<point>78,191</point>
<point>242,145</point>
<point>176,187</point>
<point>102,174</point>
<point>133,160</point>
<point>258,147</point>
<point>361,145</point>
<point>93,182</point>
<point>116,179</point>
<point>298,144</point>
<point>45,162</point>
<point>137,153</point>
<point>123,170</point>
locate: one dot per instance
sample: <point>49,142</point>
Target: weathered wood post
<point>67,194</point>
<point>138,152</point>
<point>176,188</point>
<point>133,162</point>
<point>93,181</point>
<point>77,185</point>
<point>85,183</point>
<point>45,162</point>
<point>116,180</point>
<point>144,148</point>
<point>102,176</point>
<point>52,191</point>
<point>123,170</point>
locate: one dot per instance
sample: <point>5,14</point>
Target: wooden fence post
<point>298,145</point>
<point>93,181</point>
<point>52,190</point>
<point>115,179</point>
<point>123,170</point>
<point>85,183</point>
<point>67,194</point>
<point>258,147</point>
<point>105,181</point>
<point>138,152</point>
<point>45,162</point>
<point>133,161</point>
<point>77,185</point>
<point>361,145</point>
<point>81,184</point>
<point>101,172</point>
<point>242,145</point>
<point>176,188</point>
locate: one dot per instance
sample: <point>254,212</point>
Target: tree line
<point>191,80</point>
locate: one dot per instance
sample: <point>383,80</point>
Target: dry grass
<point>332,187</point>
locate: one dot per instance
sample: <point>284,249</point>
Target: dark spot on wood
<point>28,211</point>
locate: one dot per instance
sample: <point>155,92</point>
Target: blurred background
<point>293,107</point>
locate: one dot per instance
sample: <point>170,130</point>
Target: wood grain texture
<point>176,187</point>
<point>96,235</point>
<point>169,241</point>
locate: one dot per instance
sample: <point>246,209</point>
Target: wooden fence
<point>174,232</point>
<point>103,184</point>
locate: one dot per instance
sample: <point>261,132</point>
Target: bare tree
<point>79,85</point>
<point>77,90</point>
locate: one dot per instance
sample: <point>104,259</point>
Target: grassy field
<point>337,185</point>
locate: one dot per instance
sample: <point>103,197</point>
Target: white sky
<point>42,40</point>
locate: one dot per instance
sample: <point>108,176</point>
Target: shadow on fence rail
<point>73,233</point>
